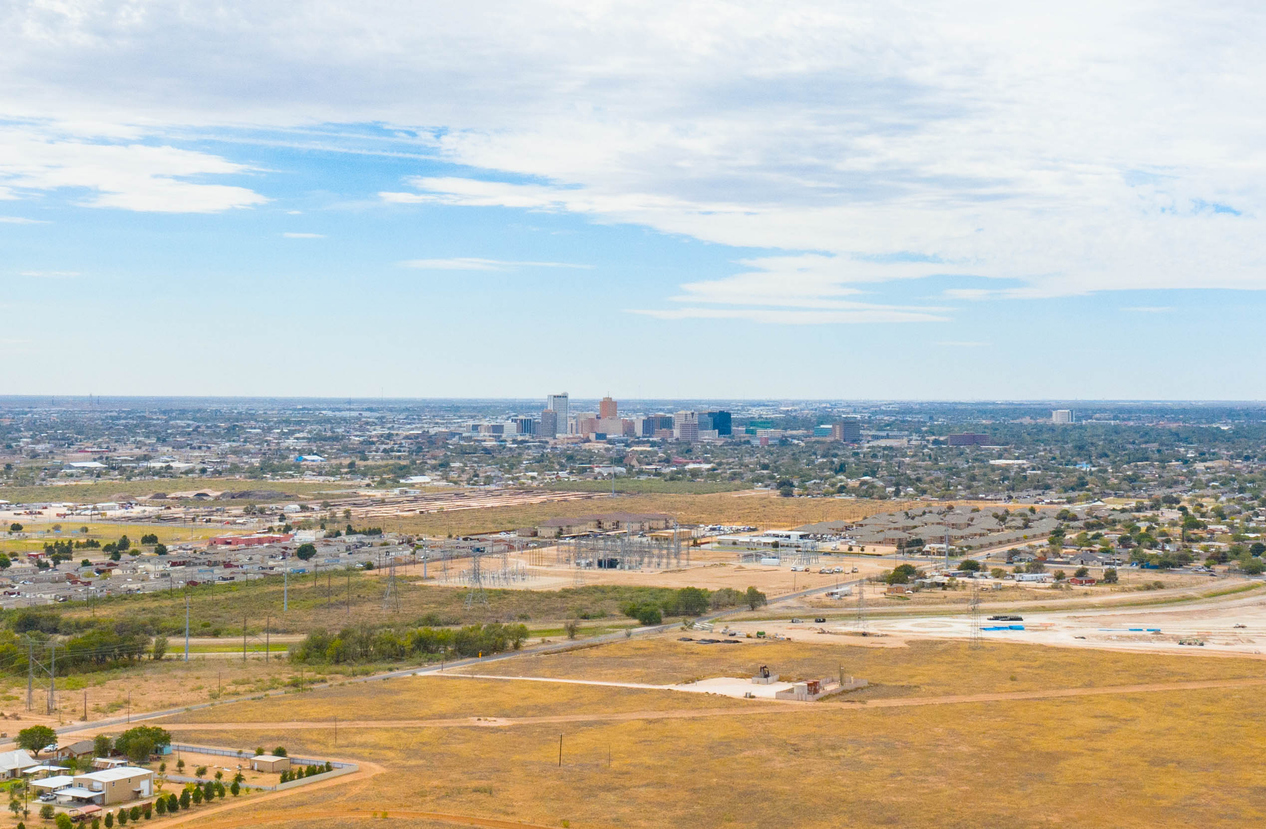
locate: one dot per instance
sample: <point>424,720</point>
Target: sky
<point>837,200</point>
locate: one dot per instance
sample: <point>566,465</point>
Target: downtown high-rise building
<point>686,427</point>
<point>608,409</point>
<point>560,405</point>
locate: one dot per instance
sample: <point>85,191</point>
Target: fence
<point>248,755</point>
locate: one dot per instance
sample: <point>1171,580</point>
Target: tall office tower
<point>686,427</point>
<point>560,404</point>
<point>607,409</point>
<point>848,430</point>
<point>1062,416</point>
<point>719,421</point>
<point>548,427</point>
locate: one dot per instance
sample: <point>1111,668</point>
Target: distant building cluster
<point>557,421</point>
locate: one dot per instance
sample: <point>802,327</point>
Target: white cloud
<point>140,177</point>
<point>465,263</point>
<point>304,235</point>
<point>19,220</point>
<point>1058,151</point>
<point>788,316</point>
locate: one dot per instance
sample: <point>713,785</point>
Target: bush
<point>235,789</point>
<point>47,811</point>
<point>160,806</point>
<point>135,814</point>
<point>196,794</point>
<point>280,751</point>
<point>201,771</point>
<point>64,822</point>
<point>185,800</point>
<point>173,805</point>
<point>121,817</point>
<point>109,820</point>
<point>148,810</point>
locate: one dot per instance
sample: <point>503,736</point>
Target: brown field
<point>757,508</point>
<point>1138,757</point>
<point>153,686</point>
<point>921,668</point>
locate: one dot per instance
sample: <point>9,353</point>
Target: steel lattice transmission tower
<point>391,597</point>
<point>476,593</point>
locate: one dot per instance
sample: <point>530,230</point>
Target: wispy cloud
<point>466,263</point>
<point>304,235</point>
<point>51,274</point>
<point>19,220</point>
<point>851,315</point>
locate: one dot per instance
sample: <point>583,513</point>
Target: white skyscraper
<point>560,404</point>
<point>1062,416</point>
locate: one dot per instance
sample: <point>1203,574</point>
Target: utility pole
<point>560,751</point>
<point>52,680</point>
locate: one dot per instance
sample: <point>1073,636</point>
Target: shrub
<point>201,772</point>
<point>235,789</point>
<point>109,820</point>
<point>196,794</point>
<point>47,811</point>
<point>280,751</point>
<point>121,817</point>
<point>160,806</point>
<point>185,800</point>
<point>148,810</point>
<point>64,822</point>
<point>135,814</point>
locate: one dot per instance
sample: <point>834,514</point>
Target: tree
<point>1253,567</point>
<point>235,789</point>
<point>140,742</point>
<point>121,817</point>
<point>201,771</point>
<point>15,527</point>
<point>219,789</point>
<point>306,551</point>
<point>692,601</point>
<point>160,549</point>
<point>160,806</point>
<point>159,649</point>
<point>570,627</point>
<point>147,809</point>
<point>36,738</point>
<point>173,804</point>
<point>1110,575</point>
<point>902,574</point>
<point>135,814</point>
<point>280,751</point>
<point>755,598</point>
<point>109,820</point>
<point>1081,572</point>
<point>969,565</point>
<point>47,811</point>
<point>185,800</point>
<point>997,573</point>
<point>196,794</point>
<point>1257,549</point>
<point>64,822</point>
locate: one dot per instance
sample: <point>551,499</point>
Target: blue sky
<point>830,200</point>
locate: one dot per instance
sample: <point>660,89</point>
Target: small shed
<point>269,762</point>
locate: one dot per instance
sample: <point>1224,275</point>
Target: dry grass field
<point>750,507</point>
<point>153,686</point>
<point>921,668</point>
<point>1134,759</point>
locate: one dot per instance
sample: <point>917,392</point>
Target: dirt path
<point>749,710</point>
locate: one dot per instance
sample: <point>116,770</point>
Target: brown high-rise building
<point>607,408</point>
